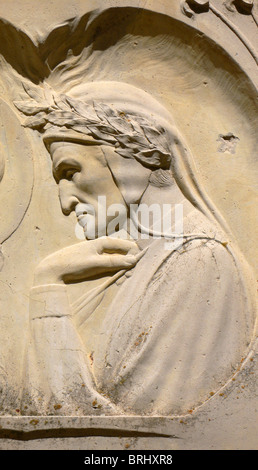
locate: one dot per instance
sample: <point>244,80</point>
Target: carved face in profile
<point>122,135</point>
<point>84,176</point>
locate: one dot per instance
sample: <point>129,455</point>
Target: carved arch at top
<point>98,30</point>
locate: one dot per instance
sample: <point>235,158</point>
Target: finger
<point>114,261</point>
<point>110,244</point>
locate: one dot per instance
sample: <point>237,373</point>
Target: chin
<point>93,233</point>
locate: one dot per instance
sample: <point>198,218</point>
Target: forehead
<point>66,145</point>
<point>60,151</point>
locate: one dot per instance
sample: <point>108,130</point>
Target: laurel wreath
<point>131,135</point>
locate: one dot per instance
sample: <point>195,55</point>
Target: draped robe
<point>159,339</point>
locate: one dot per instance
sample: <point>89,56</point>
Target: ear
<point>131,177</point>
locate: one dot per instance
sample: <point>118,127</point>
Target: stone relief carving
<point>12,173</point>
<point>2,164</point>
<point>156,327</point>
<point>120,345</point>
<point>200,6</point>
<point>243,6</point>
<point>191,7</point>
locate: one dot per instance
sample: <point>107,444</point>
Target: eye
<point>69,173</point>
<point>65,169</point>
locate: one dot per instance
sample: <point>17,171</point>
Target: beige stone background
<point>204,71</point>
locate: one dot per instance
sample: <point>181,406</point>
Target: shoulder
<point>207,247</point>
<point>202,257</point>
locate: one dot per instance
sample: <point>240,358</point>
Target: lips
<point>82,221</point>
<point>84,212</point>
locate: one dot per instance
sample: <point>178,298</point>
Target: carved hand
<point>87,259</point>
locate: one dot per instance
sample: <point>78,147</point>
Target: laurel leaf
<point>150,132</point>
<point>155,157</point>
<point>60,118</point>
<point>83,110</point>
<point>100,135</point>
<point>131,135</point>
<point>121,125</point>
<point>48,94</point>
<point>126,153</point>
<point>100,112</point>
<point>36,94</point>
<point>139,139</point>
<point>36,122</point>
<point>106,129</point>
<point>30,107</point>
<point>135,126</point>
<point>61,103</point>
<point>81,129</point>
<point>109,112</point>
<point>123,139</point>
<point>74,121</point>
<point>155,137</point>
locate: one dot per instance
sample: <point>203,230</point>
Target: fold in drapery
<point>160,341</point>
<point>57,377</point>
<point>176,331</point>
<point>173,340</point>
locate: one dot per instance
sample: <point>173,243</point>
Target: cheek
<point>131,177</point>
<point>98,183</point>
<point>92,180</point>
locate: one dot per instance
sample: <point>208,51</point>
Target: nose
<point>68,200</point>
